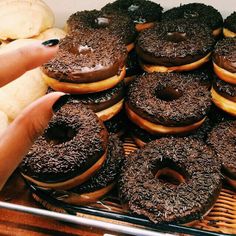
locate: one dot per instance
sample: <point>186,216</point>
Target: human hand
<point>20,135</point>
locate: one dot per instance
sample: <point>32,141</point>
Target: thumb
<point>16,141</point>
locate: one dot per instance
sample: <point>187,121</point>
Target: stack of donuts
<point>175,176</point>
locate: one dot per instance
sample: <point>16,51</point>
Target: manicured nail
<point>51,42</point>
<point>60,102</point>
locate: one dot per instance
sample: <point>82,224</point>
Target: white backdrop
<point>64,8</point>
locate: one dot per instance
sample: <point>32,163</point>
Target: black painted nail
<point>51,42</point>
<point>60,102</point>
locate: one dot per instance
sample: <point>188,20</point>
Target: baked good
<point>169,103</point>
<point>173,180</point>
<point>24,18</point>
<point>102,182</point>
<point>52,33</point>
<point>229,29</point>
<point>174,46</point>
<point>222,140</point>
<point>70,151</point>
<point>88,62</point>
<point>143,12</point>
<point>224,60</point>
<point>200,13</point>
<point>116,23</point>
<point>224,96</point>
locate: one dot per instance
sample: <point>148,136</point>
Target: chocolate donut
<point>195,188</point>
<point>224,96</point>
<point>86,63</point>
<point>230,26</point>
<point>169,103</point>
<point>142,12</point>
<point>116,23</point>
<point>141,136</point>
<point>222,139</point>
<point>198,12</point>
<point>174,46</point>
<point>104,179</point>
<point>72,148</point>
<point>224,60</point>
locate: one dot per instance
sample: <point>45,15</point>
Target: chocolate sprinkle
<point>163,202</point>
<point>192,106</point>
<point>74,140</point>
<point>223,140</point>
<point>197,11</point>
<point>110,170</point>
<point>230,22</point>
<point>116,23</point>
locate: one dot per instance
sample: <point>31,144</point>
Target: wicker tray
<point>220,221</point>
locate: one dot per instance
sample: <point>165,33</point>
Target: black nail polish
<point>51,42</point>
<point>60,102</point>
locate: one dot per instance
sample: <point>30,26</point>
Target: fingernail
<point>60,102</point>
<point>51,42</point>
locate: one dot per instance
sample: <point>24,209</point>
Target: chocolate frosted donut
<point>196,11</point>
<point>71,149</point>
<point>224,59</point>
<point>222,139</point>
<point>83,60</point>
<point>192,188</point>
<point>140,11</point>
<point>174,46</point>
<point>104,179</point>
<point>230,25</point>
<point>158,102</point>
<point>116,23</point>
<point>224,96</point>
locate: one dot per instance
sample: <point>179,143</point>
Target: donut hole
<point>59,133</point>
<point>176,37</point>
<point>101,22</point>
<point>168,94</point>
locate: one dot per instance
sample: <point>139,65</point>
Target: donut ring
<point>174,46</point>
<point>87,63</point>
<point>222,139</point>
<point>116,23</point>
<point>104,179</point>
<point>230,25</point>
<point>158,103</point>
<point>72,148</point>
<point>224,60</point>
<point>196,171</point>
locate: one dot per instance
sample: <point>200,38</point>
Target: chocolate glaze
<point>87,57</point>
<point>225,54</point>
<point>116,23</point>
<point>140,11</point>
<point>225,89</point>
<point>174,43</point>
<point>110,170</point>
<point>191,106</point>
<point>200,133</point>
<point>197,11</point>
<point>230,22</point>
<point>161,201</point>
<point>223,139</point>
<point>74,140</point>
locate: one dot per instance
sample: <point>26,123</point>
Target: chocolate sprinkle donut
<point>225,54</point>
<point>230,22</point>
<point>116,23</point>
<point>87,57</point>
<point>74,140</point>
<point>162,201</point>
<point>140,11</point>
<point>222,139</point>
<point>225,89</point>
<point>174,43</point>
<point>110,170</point>
<point>171,99</point>
<point>197,11</point>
